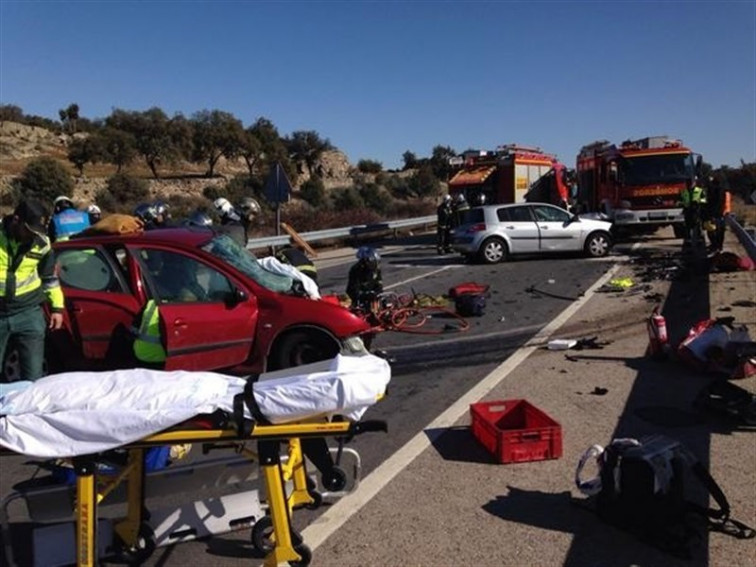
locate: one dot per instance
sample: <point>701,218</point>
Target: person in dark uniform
<point>365,281</point>
<point>443,225</point>
<point>297,258</point>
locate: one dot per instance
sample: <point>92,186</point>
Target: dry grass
<point>745,213</point>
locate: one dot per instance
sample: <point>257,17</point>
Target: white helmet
<point>94,209</point>
<point>223,205</point>
<point>447,198</point>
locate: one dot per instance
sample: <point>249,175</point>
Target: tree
<point>44,179</point>
<point>346,198</point>
<point>251,150</point>
<point>439,161</point>
<point>424,182</point>
<point>215,134</point>
<point>85,150</point>
<point>307,147</point>
<point>158,139</point>
<point>69,116</point>
<point>118,146</point>
<point>272,149</point>
<point>11,113</point>
<point>410,160</point>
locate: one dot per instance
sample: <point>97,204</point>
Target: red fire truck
<point>636,184</point>
<point>509,174</point>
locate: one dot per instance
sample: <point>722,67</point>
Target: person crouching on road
<point>27,278</point>
<point>365,282</point>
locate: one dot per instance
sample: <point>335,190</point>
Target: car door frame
<point>522,235</point>
<point>556,236</point>
<point>202,335</point>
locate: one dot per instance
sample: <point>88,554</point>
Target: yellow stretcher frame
<point>288,546</point>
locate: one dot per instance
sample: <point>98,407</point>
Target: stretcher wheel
<point>334,480</point>
<point>306,556</point>
<point>317,497</point>
<point>142,550</point>
<point>261,535</point>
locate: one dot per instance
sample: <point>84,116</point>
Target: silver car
<point>494,232</point>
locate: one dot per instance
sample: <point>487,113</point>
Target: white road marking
<point>421,276</point>
<point>338,514</point>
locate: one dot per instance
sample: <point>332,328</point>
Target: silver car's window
<point>228,250</point>
<point>520,214</point>
<point>545,213</point>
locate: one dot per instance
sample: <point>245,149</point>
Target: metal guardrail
<point>314,236</point>
<point>743,236</point>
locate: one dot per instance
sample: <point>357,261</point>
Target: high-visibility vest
<point>727,203</point>
<point>147,346</point>
<point>694,195</point>
<point>24,277</point>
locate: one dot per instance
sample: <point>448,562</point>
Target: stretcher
<point>133,534</point>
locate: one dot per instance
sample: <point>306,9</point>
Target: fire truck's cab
<point>636,184</point>
<point>509,174</point>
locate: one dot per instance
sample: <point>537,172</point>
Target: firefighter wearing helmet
<point>66,220</point>
<point>230,221</point>
<point>460,207</point>
<point>365,282</point>
<point>444,216</point>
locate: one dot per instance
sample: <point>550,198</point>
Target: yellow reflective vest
<point>694,195</point>
<point>147,346</point>
<point>27,274</point>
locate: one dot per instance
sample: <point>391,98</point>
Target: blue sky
<point>380,78</point>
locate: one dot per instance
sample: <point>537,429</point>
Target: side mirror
<point>236,297</point>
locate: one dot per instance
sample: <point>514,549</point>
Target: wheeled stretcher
<point>243,423</point>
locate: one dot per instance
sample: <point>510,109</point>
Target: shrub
<point>43,179</point>
<point>369,166</point>
<point>123,190</point>
<point>313,192</point>
<point>346,198</point>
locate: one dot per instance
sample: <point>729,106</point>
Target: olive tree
<point>215,134</point>
<point>44,179</point>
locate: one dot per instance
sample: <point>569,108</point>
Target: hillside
<point>19,144</point>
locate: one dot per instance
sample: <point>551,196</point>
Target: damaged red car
<point>219,309</point>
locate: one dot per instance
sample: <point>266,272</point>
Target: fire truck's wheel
<point>597,245</point>
<point>303,347</point>
<point>262,533</point>
<point>493,250</point>
<point>305,555</point>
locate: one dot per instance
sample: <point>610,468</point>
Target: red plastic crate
<point>515,431</point>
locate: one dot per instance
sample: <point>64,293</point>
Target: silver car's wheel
<point>597,245</point>
<point>493,251</point>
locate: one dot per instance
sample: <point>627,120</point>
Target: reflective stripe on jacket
<point>694,195</point>
<point>27,273</point>
<point>147,346</point>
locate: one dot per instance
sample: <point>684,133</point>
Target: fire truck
<point>636,184</point>
<point>509,174</point>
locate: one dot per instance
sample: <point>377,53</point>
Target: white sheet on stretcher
<point>82,413</point>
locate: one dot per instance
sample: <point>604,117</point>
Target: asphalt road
<point>430,370</point>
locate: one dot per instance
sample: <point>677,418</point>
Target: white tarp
<point>81,413</point>
<point>277,267</point>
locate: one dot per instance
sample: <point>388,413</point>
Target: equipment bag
<point>470,304</point>
<point>641,488</point>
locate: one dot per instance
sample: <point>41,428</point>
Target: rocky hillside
<point>19,144</point>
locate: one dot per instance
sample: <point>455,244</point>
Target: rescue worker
<point>692,199</point>
<point>147,214</point>
<point>250,209</point>
<point>365,281</point>
<point>95,214</point>
<point>297,258</point>
<point>444,216</point>
<point>66,220</point>
<point>148,346</point>
<point>162,214</point>
<point>230,221</point>
<point>460,207</point>
<point>717,206</point>
<point>199,218</point>
<point>27,277</point>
